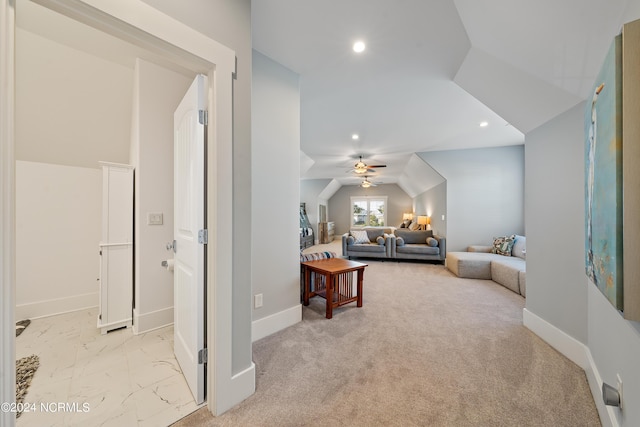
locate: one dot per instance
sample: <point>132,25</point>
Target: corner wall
<point>158,92</point>
<point>433,203</point>
<point>556,282</point>
<point>275,196</point>
<point>58,220</point>
<point>592,332</point>
<point>485,193</point>
<point>398,202</point>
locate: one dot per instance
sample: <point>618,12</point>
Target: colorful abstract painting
<point>603,178</point>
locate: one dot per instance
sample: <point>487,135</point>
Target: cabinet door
<point>116,248</point>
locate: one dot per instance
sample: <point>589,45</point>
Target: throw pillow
<point>520,247</point>
<point>414,226</point>
<point>432,242</point>
<point>503,245</point>
<point>399,241</point>
<point>380,240</point>
<point>361,236</point>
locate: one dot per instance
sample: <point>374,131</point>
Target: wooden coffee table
<point>333,281</point>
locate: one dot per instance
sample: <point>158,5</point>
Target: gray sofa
<point>375,248</point>
<point>480,263</point>
<point>411,244</point>
<point>399,244</point>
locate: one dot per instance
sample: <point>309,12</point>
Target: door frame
<point>140,24</point>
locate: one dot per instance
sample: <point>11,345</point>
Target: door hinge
<point>203,236</point>
<point>203,117</point>
<point>203,356</point>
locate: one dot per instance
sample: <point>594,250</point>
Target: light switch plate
<point>154,218</point>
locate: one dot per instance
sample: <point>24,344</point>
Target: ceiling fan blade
<point>376,166</point>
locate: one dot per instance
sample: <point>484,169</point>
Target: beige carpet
<point>427,349</point>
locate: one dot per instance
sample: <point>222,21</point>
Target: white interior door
<point>189,221</point>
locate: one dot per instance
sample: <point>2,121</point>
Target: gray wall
<point>340,204</point>
<point>157,93</point>
<point>229,22</point>
<point>555,207</point>
<point>485,193</point>
<point>276,186</point>
<point>310,189</point>
<point>433,203</point>
<point>557,287</point>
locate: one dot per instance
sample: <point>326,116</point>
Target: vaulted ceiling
<point>432,71</point>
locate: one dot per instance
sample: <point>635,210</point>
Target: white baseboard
<point>240,387</point>
<point>579,354</point>
<point>570,347</point>
<point>276,322</point>
<point>52,307</point>
<point>154,320</point>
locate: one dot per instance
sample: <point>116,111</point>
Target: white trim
<point>570,347</point>
<point>137,22</point>
<point>52,307</point>
<point>579,354</point>
<point>7,210</point>
<point>276,322</point>
<point>244,384</point>
<point>607,413</point>
<point>154,320</point>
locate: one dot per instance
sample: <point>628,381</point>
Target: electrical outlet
<point>619,387</point>
<point>154,218</point>
<point>257,301</point>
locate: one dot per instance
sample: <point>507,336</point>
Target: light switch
<point>154,218</point>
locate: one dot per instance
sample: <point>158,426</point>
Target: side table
<point>334,282</point>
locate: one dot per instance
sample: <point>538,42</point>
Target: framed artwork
<point>603,179</point>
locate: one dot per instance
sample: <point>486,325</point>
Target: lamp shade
<point>407,216</point>
<point>428,220</point>
<point>422,220</point>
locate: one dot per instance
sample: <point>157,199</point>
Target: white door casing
<point>189,219</point>
<point>141,24</point>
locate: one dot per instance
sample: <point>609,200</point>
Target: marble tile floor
<point>117,379</point>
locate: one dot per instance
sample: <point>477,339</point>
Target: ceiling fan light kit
<point>361,167</point>
<point>366,183</point>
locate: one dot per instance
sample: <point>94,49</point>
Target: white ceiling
<point>431,72</point>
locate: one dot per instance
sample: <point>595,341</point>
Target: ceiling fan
<point>366,183</point>
<point>361,167</point>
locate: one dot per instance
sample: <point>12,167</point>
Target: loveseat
<point>502,262</point>
<point>400,244</point>
<point>368,242</point>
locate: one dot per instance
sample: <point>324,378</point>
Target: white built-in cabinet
<point>116,247</point>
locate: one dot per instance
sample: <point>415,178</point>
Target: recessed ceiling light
<point>484,124</point>
<point>355,137</point>
<point>358,46</point>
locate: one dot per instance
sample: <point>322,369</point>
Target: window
<point>368,211</point>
